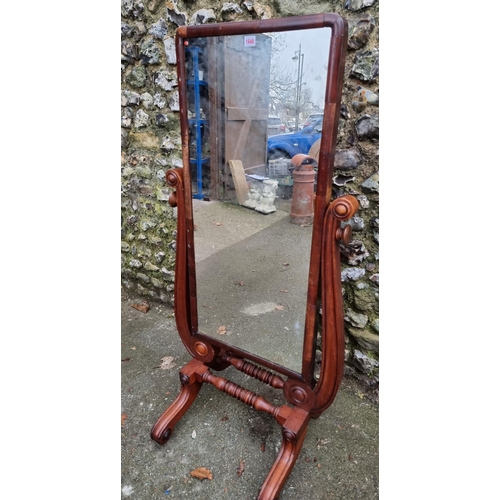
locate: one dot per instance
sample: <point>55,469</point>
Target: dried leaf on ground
<point>202,473</point>
<point>322,442</point>
<point>221,330</point>
<point>241,468</point>
<point>143,306</point>
<point>167,362</point>
<point>126,359</point>
<point>124,417</point>
<point>284,290</point>
<point>280,308</point>
<point>286,263</point>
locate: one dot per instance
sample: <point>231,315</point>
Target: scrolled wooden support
<point>344,207</point>
<point>332,367</point>
<point>254,371</point>
<point>293,432</point>
<point>190,386</point>
<point>182,292</point>
<point>173,177</point>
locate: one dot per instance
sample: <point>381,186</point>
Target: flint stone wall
<point>151,145</point>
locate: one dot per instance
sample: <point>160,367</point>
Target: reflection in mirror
<point>254,102</point>
<point>252,280</point>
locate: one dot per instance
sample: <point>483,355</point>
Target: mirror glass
<point>254,101</point>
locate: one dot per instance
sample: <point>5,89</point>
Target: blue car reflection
<point>289,145</point>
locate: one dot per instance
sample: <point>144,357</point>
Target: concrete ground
<point>236,443</point>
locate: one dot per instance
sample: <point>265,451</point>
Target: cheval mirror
<point>260,301</point>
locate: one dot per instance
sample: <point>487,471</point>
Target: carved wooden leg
<point>294,432</point>
<point>190,387</point>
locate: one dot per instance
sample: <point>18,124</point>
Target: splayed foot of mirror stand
<point>213,62</point>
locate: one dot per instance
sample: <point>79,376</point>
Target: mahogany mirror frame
<point>306,397</point>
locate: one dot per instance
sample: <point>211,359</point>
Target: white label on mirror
<point>250,41</point>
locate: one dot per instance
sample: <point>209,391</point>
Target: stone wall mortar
<point>151,145</point>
